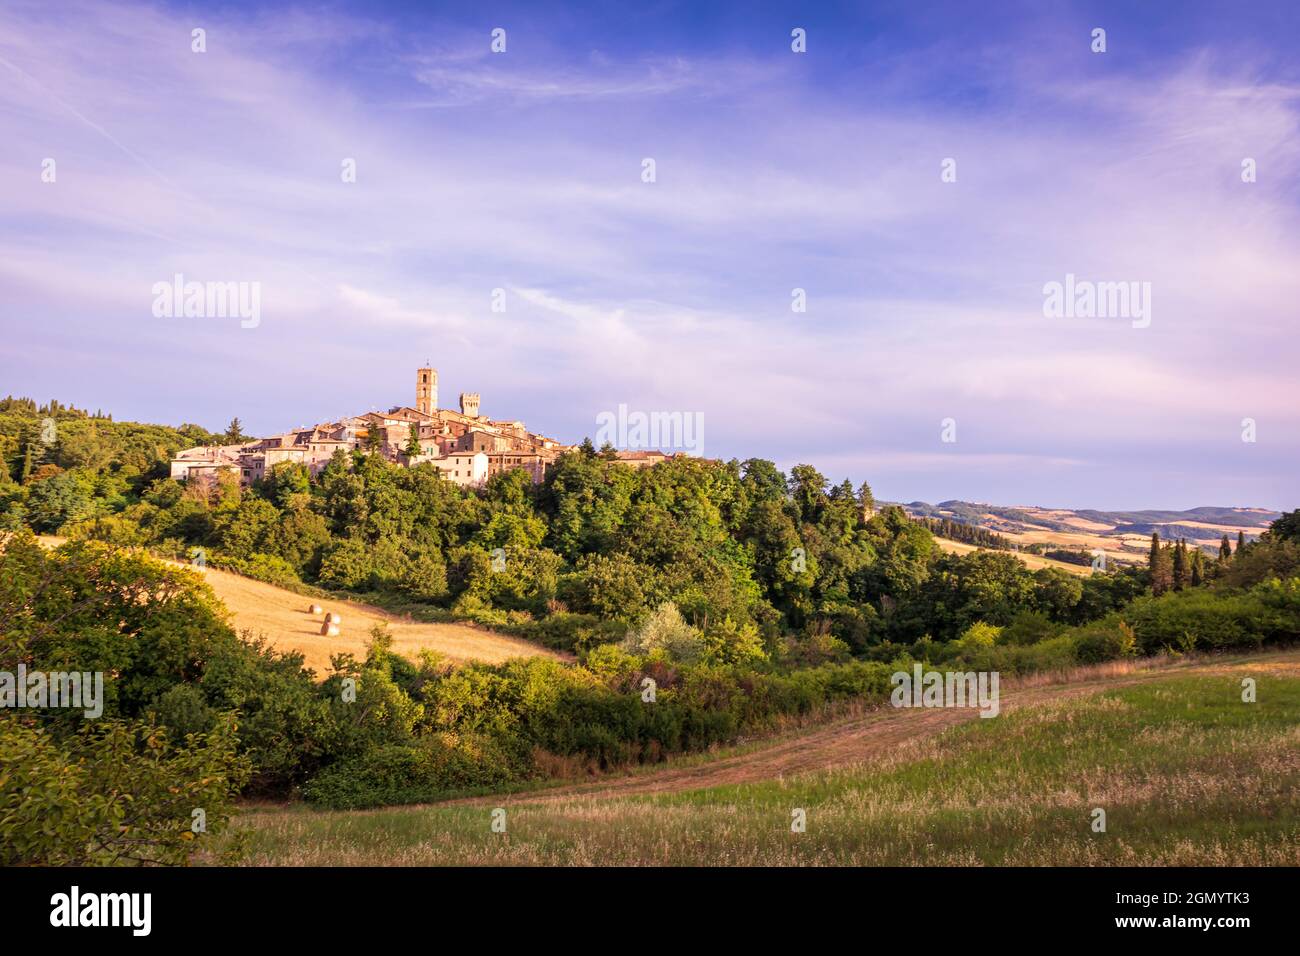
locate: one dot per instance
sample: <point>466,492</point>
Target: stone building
<point>465,446</point>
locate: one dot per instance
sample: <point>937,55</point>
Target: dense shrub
<point>1104,641</point>
<point>260,567</point>
<point>1212,620</point>
<point>433,767</point>
<point>579,633</point>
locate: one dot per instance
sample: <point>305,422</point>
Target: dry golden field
<point>283,617</point>
<point>285,620</point>
<point>1031,561</point>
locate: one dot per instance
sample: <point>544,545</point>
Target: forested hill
<point>745,595</point>
<point>56,437</point>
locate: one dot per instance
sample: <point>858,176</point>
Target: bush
<point>1053,654</point>
<point>432,767</point>
<point>1104,641</point>
<point>1212,620</point>
<point>666,632</point>
<point>579,633</point>
<point>1029,627</point>
<point>977,635</point>
<point>261,567</point>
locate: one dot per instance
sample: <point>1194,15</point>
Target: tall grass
<point>1187,773</point>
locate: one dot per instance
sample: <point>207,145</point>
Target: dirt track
<point>848,741</point>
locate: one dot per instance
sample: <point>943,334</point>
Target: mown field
<point>1186,772</point>
<point>283,618</point>
<point>1031,561</point>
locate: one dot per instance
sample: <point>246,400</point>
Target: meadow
<point>1186,772</point>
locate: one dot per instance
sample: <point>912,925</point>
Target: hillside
<point>1125,536</point>
<point>1191,776</point>
<point>283,617</point>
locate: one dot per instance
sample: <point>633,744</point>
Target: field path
<point>853,740</point>
<point>284,618</point>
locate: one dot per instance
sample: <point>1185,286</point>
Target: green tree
<point>234,433</point>
<point>1181,570</point>
<point>1160,565</point>
<point>118,793</point>
<point>611,586</point>
<point>52,502</point>
<point>28,464</point>
<point>287,480</point>
<point>808,489</point>
<point>1287,527</point>
<point>866,501</point>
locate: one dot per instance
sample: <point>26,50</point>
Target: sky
<point>826,171</point>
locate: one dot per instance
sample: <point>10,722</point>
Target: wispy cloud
<point>774,172</point>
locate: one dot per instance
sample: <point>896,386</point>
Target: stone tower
<point>469,404</point>
<point>426,390</point>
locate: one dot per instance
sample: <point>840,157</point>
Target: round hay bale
<point>330,630</point>
<point>315,609</point>
<point>332,618</point>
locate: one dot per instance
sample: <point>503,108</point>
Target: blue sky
<point>521,171</point>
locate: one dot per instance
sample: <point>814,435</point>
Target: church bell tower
<point>426,391</point>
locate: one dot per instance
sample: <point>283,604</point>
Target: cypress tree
<point>1241,541</point>
<point>1181,571</point>
<point>1225,548</point>
<point>866,501</point>
<point>28,464</point>
<point>1160,566</point>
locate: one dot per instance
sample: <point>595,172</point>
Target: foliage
<point>116,793</point>
<point>665,632</point>
<point>743,595</point>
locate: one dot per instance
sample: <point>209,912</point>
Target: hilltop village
<point>467,447</point>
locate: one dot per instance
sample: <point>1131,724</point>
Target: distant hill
<point>1123,535</point>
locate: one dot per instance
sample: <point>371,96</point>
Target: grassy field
<point>1186,772</point>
